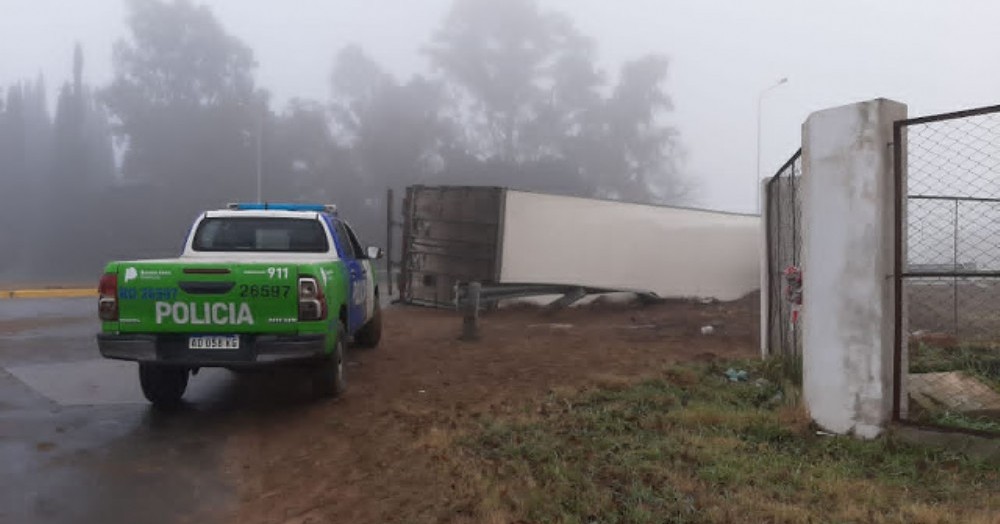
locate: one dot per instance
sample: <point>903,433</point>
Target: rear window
<point>298,235</point>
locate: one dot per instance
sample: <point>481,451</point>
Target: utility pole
<point>260,132</point>
<point>760,105</point>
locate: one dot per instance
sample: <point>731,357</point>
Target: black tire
<point>371,333</point>
<point>328,376</point>
<point>163,385</point>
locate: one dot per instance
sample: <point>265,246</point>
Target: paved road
<point>78,443</point>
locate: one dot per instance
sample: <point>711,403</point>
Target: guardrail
<point>569,294</point>
<point>10,294</point>
<point>471,297</point>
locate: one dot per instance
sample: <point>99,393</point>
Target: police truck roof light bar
<point>267,206</point>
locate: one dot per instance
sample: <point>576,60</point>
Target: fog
<point>111,150</point>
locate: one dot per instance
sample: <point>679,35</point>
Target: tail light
<point>312,302</point>
<point>107,304</point>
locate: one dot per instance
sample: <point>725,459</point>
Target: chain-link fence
<point>949,279</point>
<point>784,240</point>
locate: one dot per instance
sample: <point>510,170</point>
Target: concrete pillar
<point>847,263</point>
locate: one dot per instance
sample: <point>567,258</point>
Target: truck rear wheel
<point>328,377</point>
<point>163,385</point>
<point>371,333</point>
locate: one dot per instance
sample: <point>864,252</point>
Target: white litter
<point>552,326</point>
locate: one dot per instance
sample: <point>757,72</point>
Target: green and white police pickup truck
<point>257,285</point>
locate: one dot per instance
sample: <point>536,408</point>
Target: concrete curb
<point>8,294</point>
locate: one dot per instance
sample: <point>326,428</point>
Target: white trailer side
<point>673,252</point>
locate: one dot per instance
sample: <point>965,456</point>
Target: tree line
<point>512,95</point>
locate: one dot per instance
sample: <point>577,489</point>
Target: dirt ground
<point>381,452</point>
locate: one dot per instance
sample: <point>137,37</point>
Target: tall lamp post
<point>760,104</point>
<point>260,138</point>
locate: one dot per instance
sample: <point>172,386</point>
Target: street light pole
<point>260,132</point>
<point>760,105</point>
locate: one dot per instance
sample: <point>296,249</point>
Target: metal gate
<point>947,277</point>
<point>784,241</point>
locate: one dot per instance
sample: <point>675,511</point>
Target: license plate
<point>214,342</point>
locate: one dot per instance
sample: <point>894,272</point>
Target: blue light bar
<point>267,206</point>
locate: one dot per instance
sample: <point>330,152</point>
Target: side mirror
<point>374,253</point>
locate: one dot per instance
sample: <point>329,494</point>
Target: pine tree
<point>82,169</point>
<point>25,146</point>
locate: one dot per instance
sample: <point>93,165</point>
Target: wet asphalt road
<point>78,443</point>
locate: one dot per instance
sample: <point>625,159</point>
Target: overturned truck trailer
<point>453,235</point>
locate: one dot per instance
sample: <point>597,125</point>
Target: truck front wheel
<point>163,385</point>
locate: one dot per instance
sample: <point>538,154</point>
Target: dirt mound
<point>376,455</point>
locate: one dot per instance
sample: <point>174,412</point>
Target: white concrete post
<point>847,265</point>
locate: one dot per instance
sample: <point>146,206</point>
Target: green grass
<point>951,419</point>
<point>695,447</point>
<point>984,363</point>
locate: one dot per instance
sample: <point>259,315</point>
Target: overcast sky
<point>933,55</point>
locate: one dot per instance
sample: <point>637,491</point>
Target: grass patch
<point>695,447</point>
<point>951,419</point>
<point>983,363</point>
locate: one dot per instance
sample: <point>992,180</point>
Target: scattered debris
<point>737,375</point>
<point>776,399</point>
<point>641,326</point>
<point>552,326</point>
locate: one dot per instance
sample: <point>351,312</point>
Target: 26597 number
<point>264,291</point>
